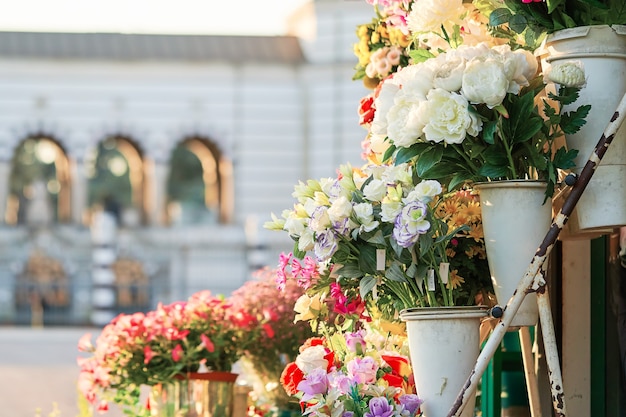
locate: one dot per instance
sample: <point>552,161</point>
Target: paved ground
<point>38,370</point>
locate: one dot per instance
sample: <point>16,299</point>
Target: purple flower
<point>348,414</point>
<point>342,227</point>
<point>379,407</point>
<point>325,245</point>
<point>411,223</point>
<point>315,383</point>
<point>411,402</point>
<point>341,382</point>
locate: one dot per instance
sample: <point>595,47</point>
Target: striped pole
<point>533,281</point>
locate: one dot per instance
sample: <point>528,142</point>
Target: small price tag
<point>380,259</point>
<point>430,280</point>
<point>444,272</point>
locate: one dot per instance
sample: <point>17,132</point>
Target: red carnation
<point>291,377</point>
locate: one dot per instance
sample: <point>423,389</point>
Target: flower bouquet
<point>267,355</point>
<point>155,347</point>
<point>470,115</point>
<point>384,236</point>
<point>349,374</point>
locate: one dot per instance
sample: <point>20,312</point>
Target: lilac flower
<point>410,224</point>
<point>356,341</point>
<point>363,370</point>
<point>411,402</point>
<point>314,384</point>
<point>340,382</point>
<point>379,407</point>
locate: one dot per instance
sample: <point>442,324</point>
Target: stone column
<point>104,254</point>
<point>79,190</point>
<point>5,172</point>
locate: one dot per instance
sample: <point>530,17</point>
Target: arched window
<point>196,191</point>
<point>39,183</point>
<point>116,180</point>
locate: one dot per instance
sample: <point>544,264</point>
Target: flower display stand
<point>533,281</point>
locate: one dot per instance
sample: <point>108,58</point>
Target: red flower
<point>312,341</point>
<point>268,330</point>
<point>148,354</point>
<point>366,110</point>
<point>291,377</point>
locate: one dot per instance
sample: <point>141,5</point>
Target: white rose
<point>485,82</point>
<point>446,117</point>
<point>365,215</point>
<point>307,308</point>
<point>397,173</point>
<point>375,190</point>
<point>389,210</point>
<point>340,209</point>
<point>378,144</point>
<point>312,358</point>
<point>424,191</point>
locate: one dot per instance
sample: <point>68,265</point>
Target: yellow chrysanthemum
<point>476,232</point>
<point>459,219</point>
<point>455,280</point>
<point>472,210</point>
<point>450,252</point>
<point>375,37</point>
<point>396,37</point>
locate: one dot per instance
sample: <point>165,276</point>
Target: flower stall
<point>464,99</point>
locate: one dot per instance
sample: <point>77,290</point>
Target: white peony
<point>448,72</point>
<point>404,128</point>
<point>484,81</point>
<point>430,15</point>
<point>383,103</point>
<point>446,117</point>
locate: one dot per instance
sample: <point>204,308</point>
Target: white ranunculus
<point>340,209</point>
<point>569,74</point>
<point>430,15</point>
<point>404,128</point>
<point>446,117</point>
<point>424,191</point>
<point>485,82</point>
<point>375,190</point>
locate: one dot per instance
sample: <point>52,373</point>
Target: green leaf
<point>389,152</point>
<point>350,271</point>
<point>428,159</point>
<point>366,285</point>
<point>499,16</point>
<point>367,259</point>
<point>425,243</point>
<point>564,159</point>
<point>407,154</point>
<point>493,171</point>
<point>489,130</point>
<point>420,55</point>
<point>572,122</point>
<point>518,23</point>
<point>395,273</point>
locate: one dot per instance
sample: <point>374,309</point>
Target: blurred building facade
<point>137,169</point>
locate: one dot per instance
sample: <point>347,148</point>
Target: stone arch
<point>117,178</point>
<point>39,191</point>
<point>213,179</point>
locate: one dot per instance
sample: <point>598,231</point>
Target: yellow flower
<point>450,252</point>
<point>476,232</point>
<point>455,280</point>
<point>396,37</point>
<point>308,308</point>
<point>375,37</point>
<point>472,210</point>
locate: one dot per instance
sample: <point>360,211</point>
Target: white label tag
<point>430,280</point>
<point>380,259</point>
<point>444,272</point>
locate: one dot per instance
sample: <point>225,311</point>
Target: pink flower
<point>84,343</point>
<point>177,353</point>
<point>208,344</point>
<point>363,370</point>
